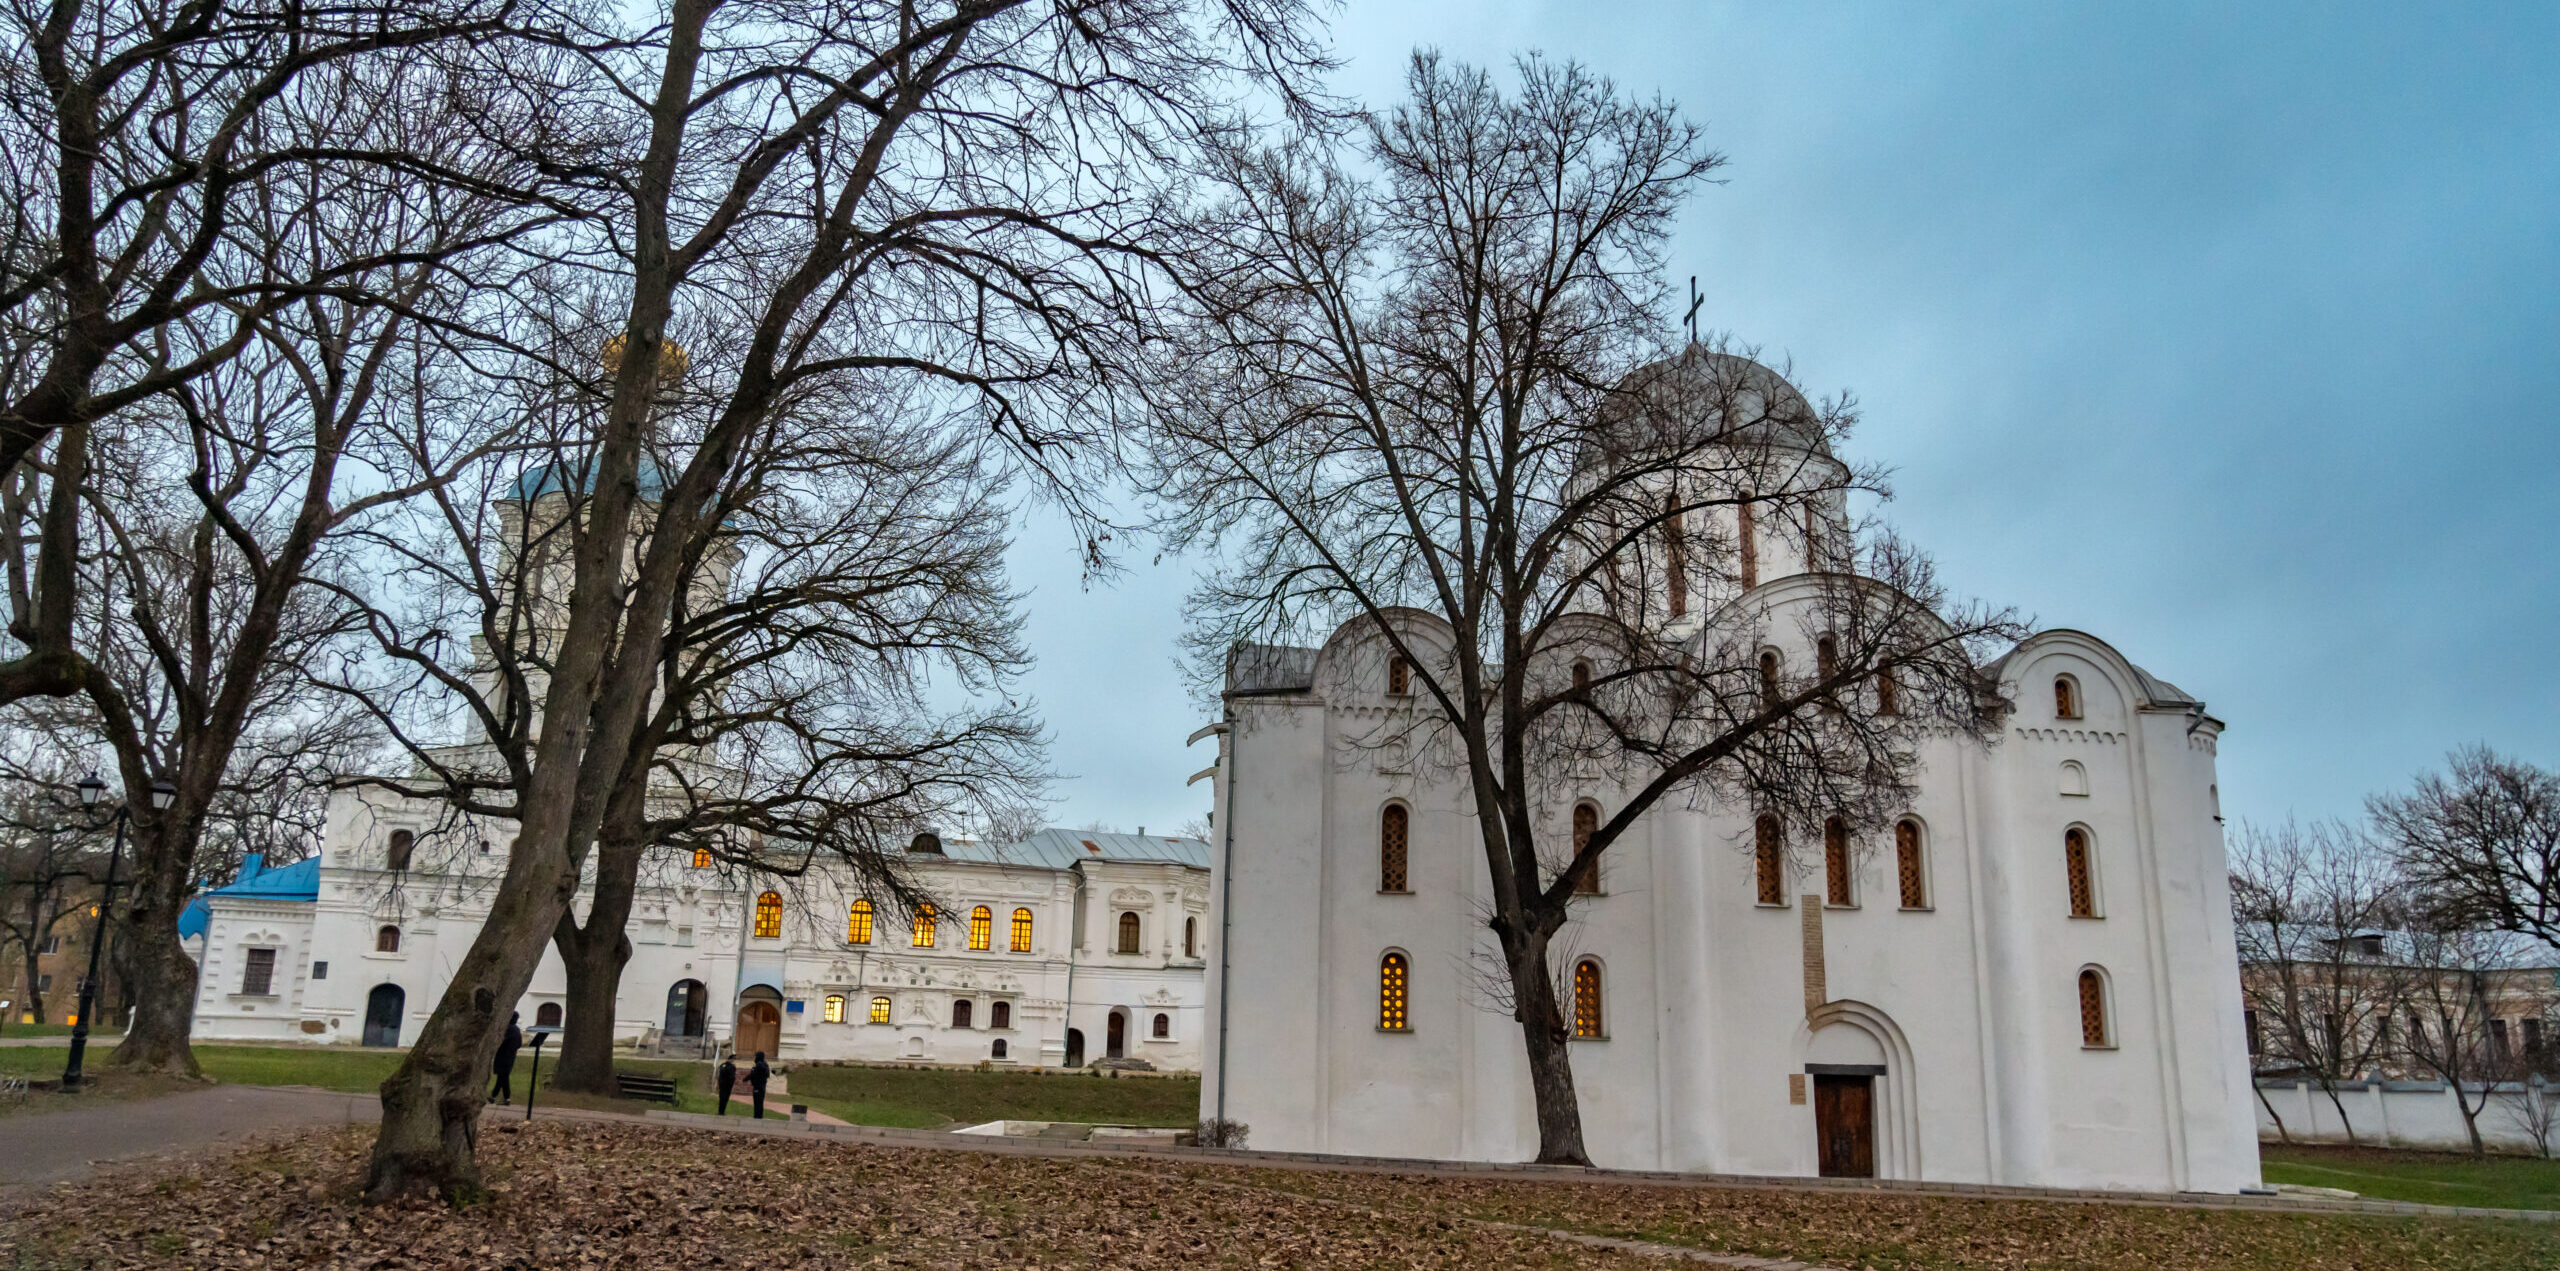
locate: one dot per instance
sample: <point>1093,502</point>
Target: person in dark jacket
<point>728,1081</point>
<point>756,1077</point>
<point>504,1091</point>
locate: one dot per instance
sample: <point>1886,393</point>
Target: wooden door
<point>759,1029</point>
<point>1844,1122</point>
<point>1115,1035</point>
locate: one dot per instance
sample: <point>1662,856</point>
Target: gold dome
<point>672,359</point>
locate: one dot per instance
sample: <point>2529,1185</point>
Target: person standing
<point>504,1091</point>
<point>756,1078</point>
<point>728,1081</point>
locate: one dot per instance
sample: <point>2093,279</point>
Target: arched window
<point>1128,933</point>
<point>1000,1015</point>
<point>996,1051</point>
<point>1399,675</point>
<point>1586,999</point>
<point>879,1010</point>
<point>2075,778</point>
<point>857,923</point>
<point>1581,675</point>
<point>1906,864</point>
<point>2093,1009</point>
<point>547,1015</point>
<point>835,1008</point>
<point>1771,851</point>
<point>2066,697</point>
<point>769,916</point>
<point>923,929</point>
<point>1391,993</point>
<point>1675,556</point>
<point>1393,823</point>
<point>1191,937</point>
<point>396,858</point>
<point>982,927</point>
<point>1835,862</point>
<point>1768,678</point>
<point>1586,822</point>
<point>387,940</point>
<point>1022,931</point>
<point>1826,663</point>
<point>1747,540</point>
<point>2075,863</point>
<point>1162,1029</point>
<point>961,1013</point>
<point>1888,694</point>
<point>1812,535</point>
<point>702,858</point>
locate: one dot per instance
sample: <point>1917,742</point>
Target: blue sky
<point>2229,333</point>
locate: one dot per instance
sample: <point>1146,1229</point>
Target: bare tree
<point>50,865</point>
<point>1436,403</point>
<point>2312,906</point>
<point>2480,842</point>
<point>141,137</point>
<point>951,196</point>
<point>2456,982</point>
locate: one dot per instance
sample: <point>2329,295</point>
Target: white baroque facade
<point>2030,979</point>
<point>343,948</point>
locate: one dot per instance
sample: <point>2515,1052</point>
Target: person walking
<point>504,1091</point>
<point>756,1079</point>
<point>728,1081</point>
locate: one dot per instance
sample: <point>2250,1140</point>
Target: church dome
<point>1699,383</point>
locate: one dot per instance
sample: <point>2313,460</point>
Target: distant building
<point>1064,949</point>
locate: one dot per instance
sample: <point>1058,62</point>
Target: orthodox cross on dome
<point>1691,317</point>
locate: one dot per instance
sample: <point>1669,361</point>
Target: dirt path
<point>43,1147</point>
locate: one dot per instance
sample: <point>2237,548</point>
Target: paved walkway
<point>42,1147</point>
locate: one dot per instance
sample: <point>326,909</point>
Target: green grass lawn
<point>52,1030</point>
<point>915,1098</point>
<point>2433,1178</point>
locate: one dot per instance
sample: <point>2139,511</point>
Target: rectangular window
<point>44,983</point>
<point>2498,1038</point>
<point>2249,1020</point>
<point>835,1009</point>
<point>52,944</point>
<point>259,974</point>
<point>2533,1037</point>
<point>319,970</point>
<point>879,1010</point>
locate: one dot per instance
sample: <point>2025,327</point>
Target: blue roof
<point>298,881</point>
<point>551,478</point>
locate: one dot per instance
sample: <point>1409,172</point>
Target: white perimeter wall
<point>2397,1114</point>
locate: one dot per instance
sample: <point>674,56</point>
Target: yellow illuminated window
<point>835,1009</point>
<point>702,858</point>
<point>1022,931</point>
<point>879,1010</point>
<point>923,938</point>
<point>1586,998</point>
<point>857,923</point>
<point>769,916</point>
<point>1391,992</point>
<point>982,926</point>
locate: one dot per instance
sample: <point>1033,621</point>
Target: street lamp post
<point>91,790</point>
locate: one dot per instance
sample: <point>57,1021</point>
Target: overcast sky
<point>2229,334</point>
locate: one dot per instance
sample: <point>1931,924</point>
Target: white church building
<point>2029,979</point>
<point>1067,948</point>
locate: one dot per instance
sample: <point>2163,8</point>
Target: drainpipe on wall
<point>1226,899</point>
<point>1075,930</point>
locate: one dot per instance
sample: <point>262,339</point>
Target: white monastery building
<point>2029,978</point>
<point>1067,948</point>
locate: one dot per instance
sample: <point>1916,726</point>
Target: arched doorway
<point>547,1016</point>
<point>687,1004</point>
<point>759,1023</point>
<point>382,1008</point>
<point>1115,1036</point>
<point>1075,1048</point>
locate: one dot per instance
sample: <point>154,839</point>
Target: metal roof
<point>298,881</point>
<point>1059,849</point>
<point>1271,668</point>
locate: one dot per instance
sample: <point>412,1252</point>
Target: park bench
<point>650,1089</point>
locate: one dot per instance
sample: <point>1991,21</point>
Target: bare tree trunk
<point>1550,1062</point>
<point>2281,1133</point>
<point>164,996</point>
<point>595,956</point>
<point>2330,1088</point>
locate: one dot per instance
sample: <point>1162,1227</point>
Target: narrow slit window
<point>1770,851</point>
<point>1191,937</point>
<point>2066,698</point>
<point>1586,999</point>
<point>1675,555</point>
<point>1768,679</point>
<point>1835,861</point>
<point>1586,822</point>
<point>2075,864</point>
<point>1581,676</point>
<point>1399,676</point>
<point>1394,826</point>
<point>2093,1009</point>
<point>1826,663</point>
<point>1391,993</point>
<point>1747,542</point>
<point>1906,864</point>
<point>1888,694</point>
